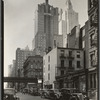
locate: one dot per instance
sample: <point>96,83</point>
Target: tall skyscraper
<point>46,26</point>
<point>68,19</point>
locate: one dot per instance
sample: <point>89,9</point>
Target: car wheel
<point>55,98</point>
<point>60,98</point>
<point>41,96</point>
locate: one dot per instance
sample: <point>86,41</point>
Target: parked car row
<point>53,94</point>
<point>62,94</point>
<point>32,91</point>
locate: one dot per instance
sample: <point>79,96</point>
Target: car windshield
<point>45,90</point>
<point>56,90</point>
<point>79,95</point>
<point>69,90</point>
<point>9,91</point>
<point>51,90</point>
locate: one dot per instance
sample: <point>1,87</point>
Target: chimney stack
<point>46,1</point>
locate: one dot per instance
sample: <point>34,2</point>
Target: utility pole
<point>1,45</point>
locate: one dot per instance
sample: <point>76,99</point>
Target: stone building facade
<point>21,56</point>
<point>61,66</point>
<point>33,67</point>
<point>93,49</point>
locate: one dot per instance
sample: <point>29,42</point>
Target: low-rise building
<point>61,64</point>
<point>33,67</point>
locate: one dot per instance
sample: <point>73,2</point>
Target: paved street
<point>29,97</point>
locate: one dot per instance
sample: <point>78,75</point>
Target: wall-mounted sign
<point>39,80</point>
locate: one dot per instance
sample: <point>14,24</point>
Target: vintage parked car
<point>69,90</point>
<point>54,94</point>
<point>10,94</point>
<point>66,93</point>
<point>72,94</point>
<point>44,93</point>
<point>35,92</point>
<point>79,96</point>
<point>25,91</point>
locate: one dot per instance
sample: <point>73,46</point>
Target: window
<point>70,53</point>
<point>91,39</point>
<point>83,32</point>
<point>91,20</point>
<point>70,63</point>
<point>62,63</point>
<point>78,51</point>
<point>78,64</point>
<point>62,52</point>
<point>48,58</point>
<point>94,80</point>
<point>83,44</point>
<point>40,73</point>
<point>54,43</point>
<point>48,76</point>
<point>62,72</point>
<point>78,56</point>
<point>92,59</point>
<point>91,83</point>
<point>49,67</point>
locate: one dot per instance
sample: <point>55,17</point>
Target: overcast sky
<point>19,23</point>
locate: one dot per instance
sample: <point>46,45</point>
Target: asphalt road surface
<point>29,97</point>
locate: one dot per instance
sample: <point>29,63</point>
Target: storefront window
<point>94,80</point>
<point>91,83</point>
<point>82,84</point>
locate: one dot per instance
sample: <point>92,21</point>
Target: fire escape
<point>95,22</point>
<point>95,25</point>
